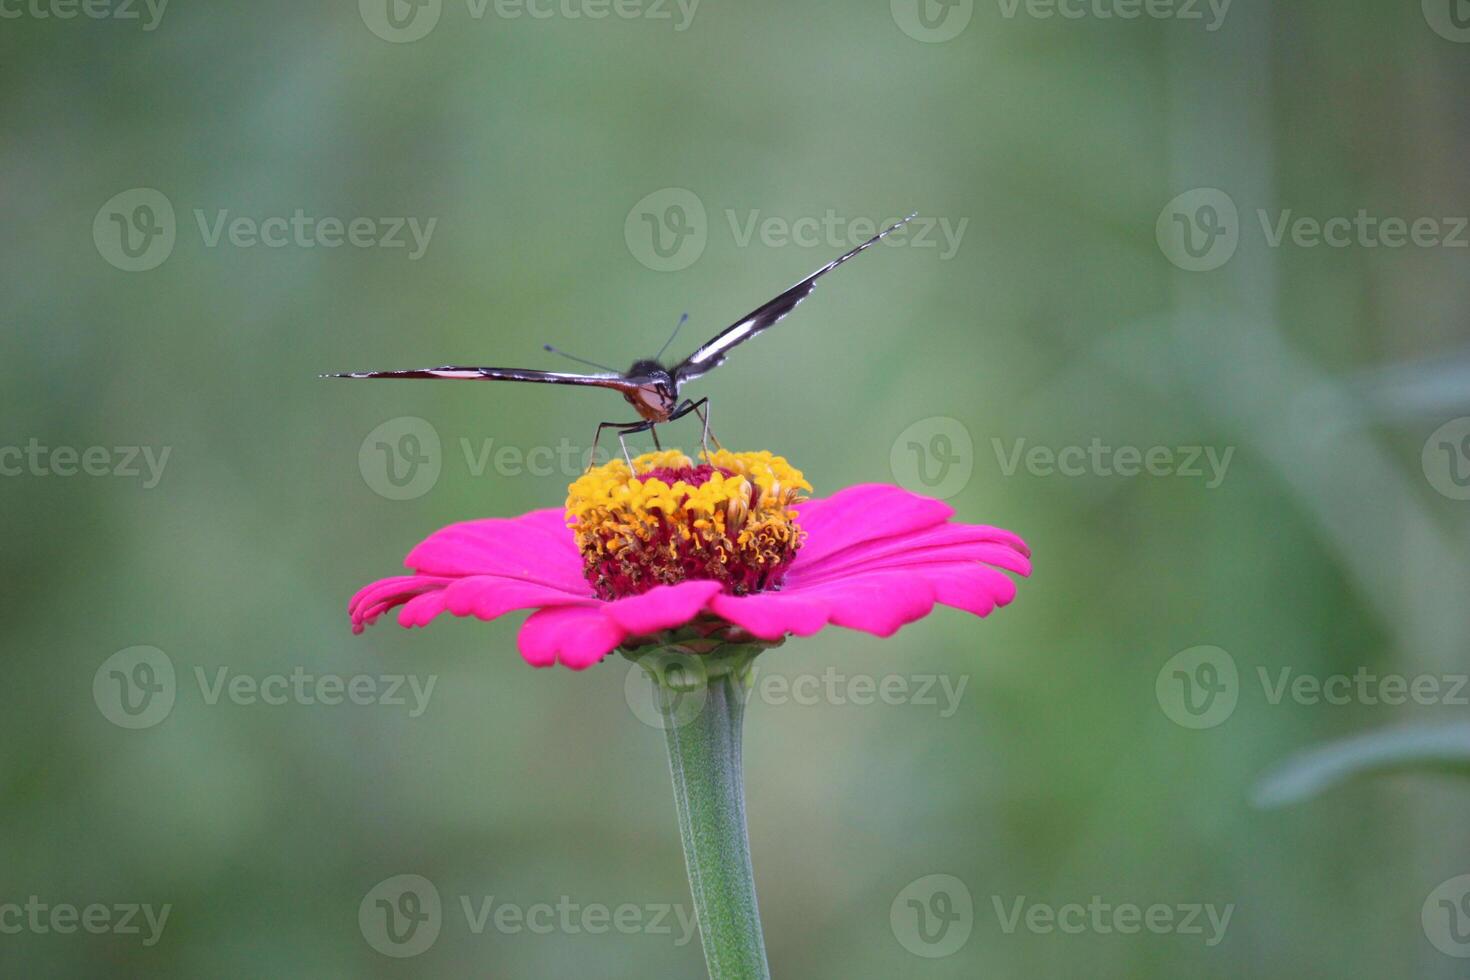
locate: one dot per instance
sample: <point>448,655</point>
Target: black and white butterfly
<point>649,386</point>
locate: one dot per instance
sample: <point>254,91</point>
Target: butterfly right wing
<point>712,354</point>
<point>617,382</point>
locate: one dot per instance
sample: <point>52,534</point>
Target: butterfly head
<point>658,395</point>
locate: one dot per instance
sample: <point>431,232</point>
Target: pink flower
<point>871,557</point>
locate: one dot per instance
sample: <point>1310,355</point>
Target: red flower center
<point>729,520</point>
<point>694,476</point>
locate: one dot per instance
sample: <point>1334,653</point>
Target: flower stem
<point>709,793</point>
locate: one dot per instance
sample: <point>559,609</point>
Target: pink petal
<point>771,615</point>
<point>949,542</point>
<point>419,610</point>
<point>867,512</point>
<point>662,607</point>
<point>974,588</point>
<point>488,597</point>
<point>874,602</point>
<point>373,600</point>
<point>483,596</point>
<point>877,604</point>
<point>537,547</point>
<point>959,542</point>
<point>576,636</point>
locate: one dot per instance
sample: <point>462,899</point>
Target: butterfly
<point>651,387</point>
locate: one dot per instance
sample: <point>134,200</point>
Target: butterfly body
<point>652,388</point>
<point>657,395</point>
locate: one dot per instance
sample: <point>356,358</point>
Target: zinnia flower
<point>728,550</point>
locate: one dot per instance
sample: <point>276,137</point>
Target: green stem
<point>704,757</point>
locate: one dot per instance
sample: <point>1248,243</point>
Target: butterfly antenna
<point>579,360</point>
<point>682,320</point>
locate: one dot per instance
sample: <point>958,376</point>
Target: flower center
<point>729,519</point>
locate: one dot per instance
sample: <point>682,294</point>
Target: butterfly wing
<point>617,382</point>
<point>712,354</point>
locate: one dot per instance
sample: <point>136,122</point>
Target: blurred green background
<point>1066,310</point>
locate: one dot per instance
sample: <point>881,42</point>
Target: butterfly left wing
<point>617,382</point>
<point>712,354</point>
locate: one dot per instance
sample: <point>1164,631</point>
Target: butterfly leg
<point>632,429</point>
<point>695,407</point>
<point>623,429</point>
<point>704,417</point>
